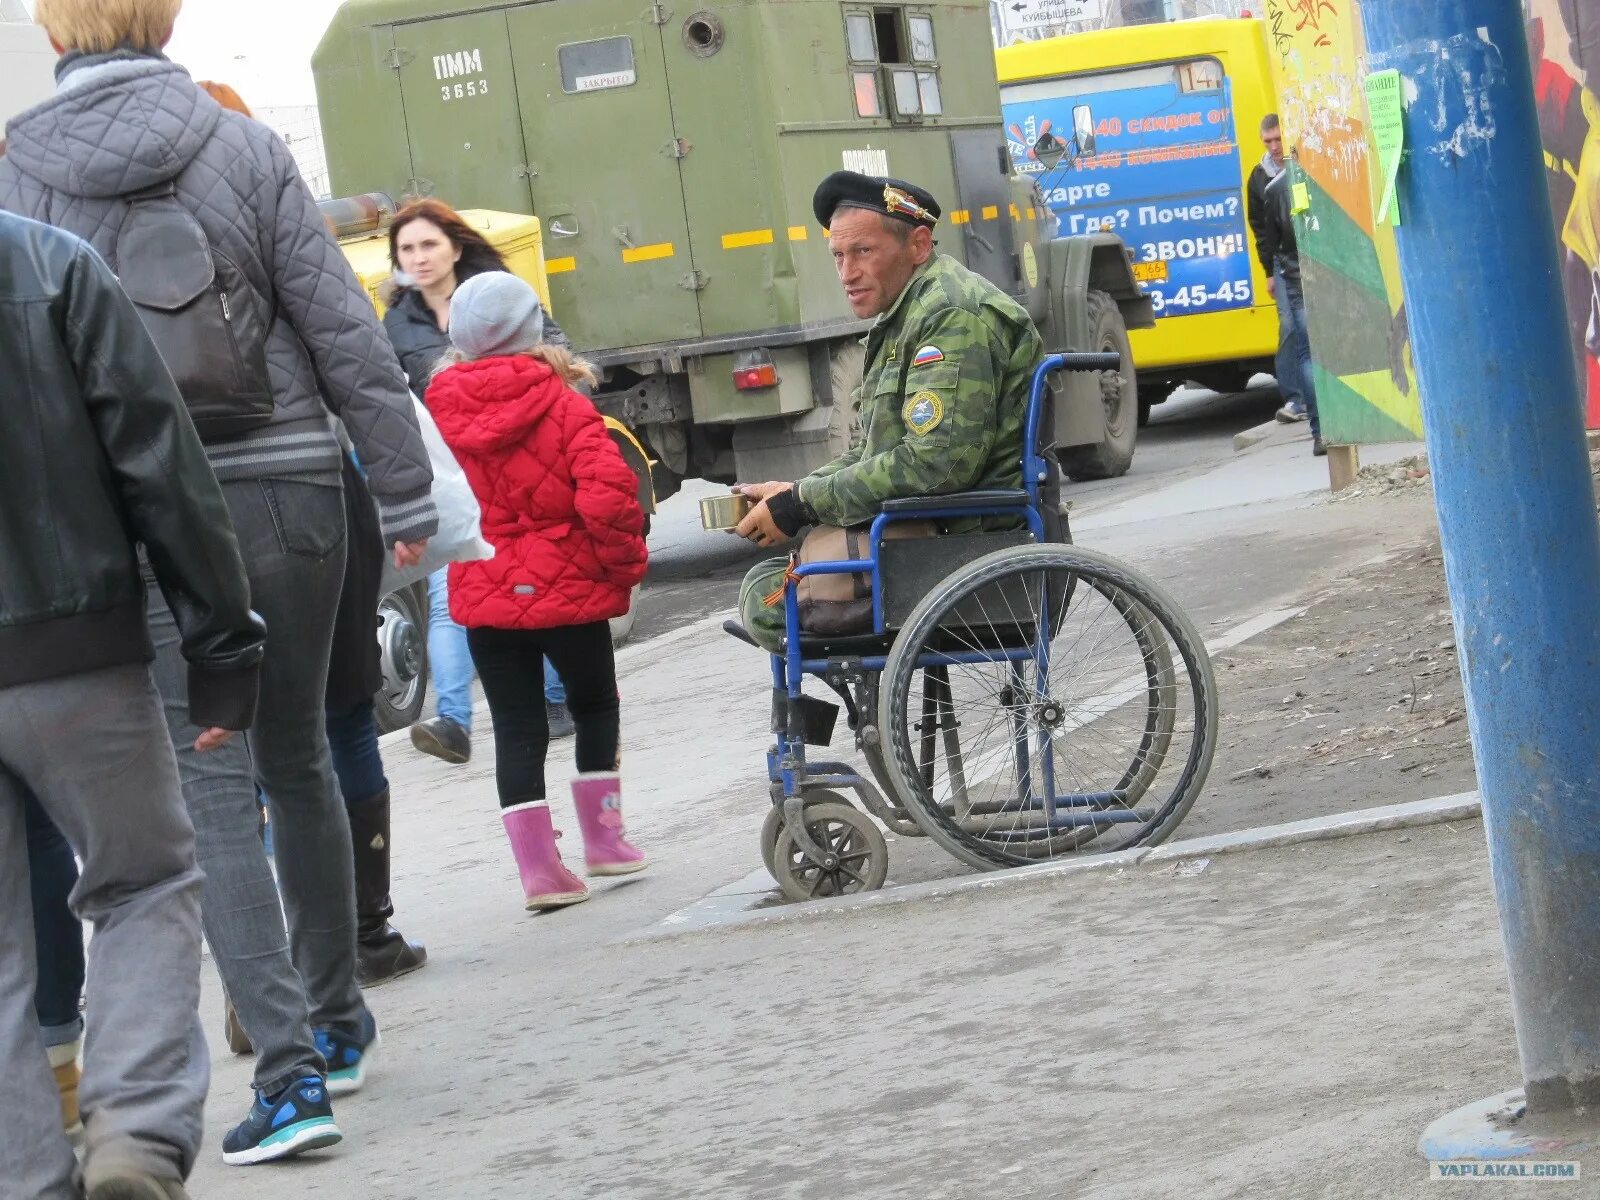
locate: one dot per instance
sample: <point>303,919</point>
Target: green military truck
<point>670,154</point>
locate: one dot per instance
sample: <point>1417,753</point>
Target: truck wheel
<point>1120,392</point>
<point>846,366</point>
<point>402,657</point>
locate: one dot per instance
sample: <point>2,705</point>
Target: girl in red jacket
<point>560,509</point>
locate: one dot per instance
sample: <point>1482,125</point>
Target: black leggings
<point>509,663</point>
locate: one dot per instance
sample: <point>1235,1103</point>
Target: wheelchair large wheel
<point>1046,701</point>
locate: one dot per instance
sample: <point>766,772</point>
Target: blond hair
<point>100,26</point>
<point>569,368</point>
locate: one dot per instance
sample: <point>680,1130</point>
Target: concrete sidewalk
<point>1282,1023</point>
<point>1279,1023</point>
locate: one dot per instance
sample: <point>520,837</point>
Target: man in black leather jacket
<point>101,458</point>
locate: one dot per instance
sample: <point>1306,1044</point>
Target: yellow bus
<point>1174,112</point>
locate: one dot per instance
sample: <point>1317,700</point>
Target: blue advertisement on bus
<point>1155,164</point>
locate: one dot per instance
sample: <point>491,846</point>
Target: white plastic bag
<point>460,537</point>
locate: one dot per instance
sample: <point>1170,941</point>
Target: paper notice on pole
<point>1385,117</point>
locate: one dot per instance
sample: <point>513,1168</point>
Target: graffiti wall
<point>1366,389</point>
<point>1564,46</point>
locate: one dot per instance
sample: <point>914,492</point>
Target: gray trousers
<point>93,749</point>
<point>282,982</point>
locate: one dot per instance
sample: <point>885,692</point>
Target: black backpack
<point>204,317</point>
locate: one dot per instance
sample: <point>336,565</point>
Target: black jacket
<point>100,455</point>
<point>1255,195</point>
<point>1278,228</point>
<point>418,341</point>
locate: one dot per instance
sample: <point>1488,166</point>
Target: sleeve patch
<point>923,412</point>
<point>927,356</point>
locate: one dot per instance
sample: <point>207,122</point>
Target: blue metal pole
<point>1505,439</point>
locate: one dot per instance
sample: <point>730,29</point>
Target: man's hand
<point>1272,286</point>
<point>761,491</point>
<point>759,527</point>
<point>408,554</point>
<point>212,738</point>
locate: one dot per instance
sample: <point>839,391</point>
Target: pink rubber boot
<point>597,795</point>
<point>546,882</point>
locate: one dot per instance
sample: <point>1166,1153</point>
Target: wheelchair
<point>1018,699</point>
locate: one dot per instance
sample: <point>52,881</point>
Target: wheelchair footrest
<point>817,719</point>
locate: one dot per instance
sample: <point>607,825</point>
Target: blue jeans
<point>1292,298</point>
<point>57,934</point>
<point>1286,365</point>
<point>450,662</point>
<point>353,742</point>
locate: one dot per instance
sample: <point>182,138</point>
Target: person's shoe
<point>442,738</point>
<point>382,953</point>
<point>1319,447</point>
<point>297,1119</point>
<point>232,1032</point>
<point>64,1064</point>
<point>1290,413</point>
<point>597,796</point>
<point>348,1058</point>
<point>130,1183</point>
<point>386,958</point>
<point>559,717</point>
<point>546,882</point>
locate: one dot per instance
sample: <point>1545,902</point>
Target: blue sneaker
<point>348,1058</point>
<point>298,1119</point>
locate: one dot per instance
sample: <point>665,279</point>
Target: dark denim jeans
<point>292,536</point>
<point>57,934</point>
<point>353,741</point>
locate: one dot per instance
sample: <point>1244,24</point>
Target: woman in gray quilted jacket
<point>125,122</point>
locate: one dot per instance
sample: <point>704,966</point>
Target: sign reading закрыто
<point>1149,154</point>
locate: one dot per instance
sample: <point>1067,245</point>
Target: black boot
<point>382,952</point>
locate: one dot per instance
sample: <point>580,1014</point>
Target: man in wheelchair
<point>943,399</point>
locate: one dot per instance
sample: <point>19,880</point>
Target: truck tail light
<point>754,370</point>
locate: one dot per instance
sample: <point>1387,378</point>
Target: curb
<point>1438,811</point>
<point>1253,436</point>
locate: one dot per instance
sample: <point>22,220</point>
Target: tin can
<point>724,512</point>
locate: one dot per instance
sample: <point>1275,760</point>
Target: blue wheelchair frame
<point>787,770</point>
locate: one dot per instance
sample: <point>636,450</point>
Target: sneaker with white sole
<point>297,1119</point>
<point>348,1058</point>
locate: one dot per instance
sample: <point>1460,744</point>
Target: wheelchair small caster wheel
<point>856,845</point>
<point>773,825</point>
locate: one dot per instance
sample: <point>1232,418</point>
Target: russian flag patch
<point>927,356</point>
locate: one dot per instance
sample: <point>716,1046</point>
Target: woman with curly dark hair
<point>433,251</point>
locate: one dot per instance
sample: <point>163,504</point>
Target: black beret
<point>892,197</point>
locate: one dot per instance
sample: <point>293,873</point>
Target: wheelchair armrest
<point>995,498</point>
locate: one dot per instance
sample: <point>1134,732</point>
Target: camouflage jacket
<point>943,399</point>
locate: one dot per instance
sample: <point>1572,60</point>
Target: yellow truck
<point>1174,111</point>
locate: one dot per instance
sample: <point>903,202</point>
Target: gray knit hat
<point>495,313</point>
